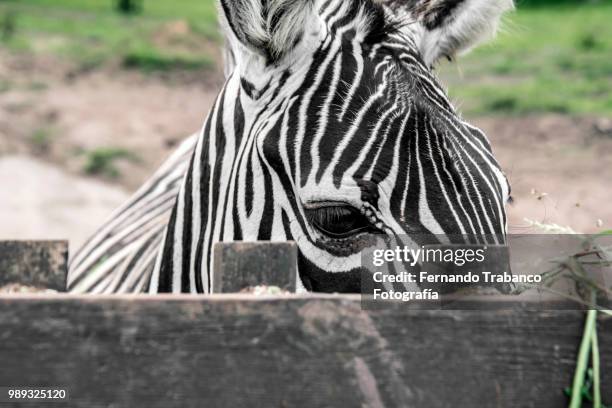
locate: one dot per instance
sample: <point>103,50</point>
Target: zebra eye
<point>339,221</point>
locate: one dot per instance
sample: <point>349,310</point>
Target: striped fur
<point>346,123</point>
<point>119,258</point>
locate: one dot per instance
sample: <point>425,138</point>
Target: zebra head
<point>332,125</point>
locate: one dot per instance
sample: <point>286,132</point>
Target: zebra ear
<point>450,27</point>
<point>270,28</point>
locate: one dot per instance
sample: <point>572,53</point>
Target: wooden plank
<point>310,351</point>
<point>41,264</point>
<point>240,265</point>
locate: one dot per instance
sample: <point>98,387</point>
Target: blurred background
<point>94,94</point>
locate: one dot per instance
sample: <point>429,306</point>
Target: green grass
<point>163,9</point>
<point>546,59</point>
<point>551,56</point>
<point>92,32</point>
<point>102,161</point>
<point>41,138</point>
<point>5,86</point>
<point>150,59</point>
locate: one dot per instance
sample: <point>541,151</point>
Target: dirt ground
<point>560,169</point>
<point>61,116</point>
<point>52,118</point>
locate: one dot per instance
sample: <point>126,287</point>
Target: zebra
<point>331,125</point>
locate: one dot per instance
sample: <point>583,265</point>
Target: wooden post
<point>241,265</point>
<point>40,264</point>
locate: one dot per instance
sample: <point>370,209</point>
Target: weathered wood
<point>323,351</point>
<point>240,265</point>
<point>42,264</point>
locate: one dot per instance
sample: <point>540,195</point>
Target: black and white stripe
<point>120,256</point>
<point>344,126</point>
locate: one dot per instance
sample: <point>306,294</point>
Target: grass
<point>164,35</point>
<point>586,384</point>
<point>549,57</point>
<point>5,86</point>
<point>149,60</point>
<point>102,161</point>
<point>41,139</point>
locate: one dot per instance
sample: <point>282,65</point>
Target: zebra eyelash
<point>339,222</point>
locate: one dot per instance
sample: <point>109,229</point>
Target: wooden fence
<point>289,351</point>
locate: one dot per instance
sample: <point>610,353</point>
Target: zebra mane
<point>274,27</point>
<point>270,27</point>
<point>380,25</point>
